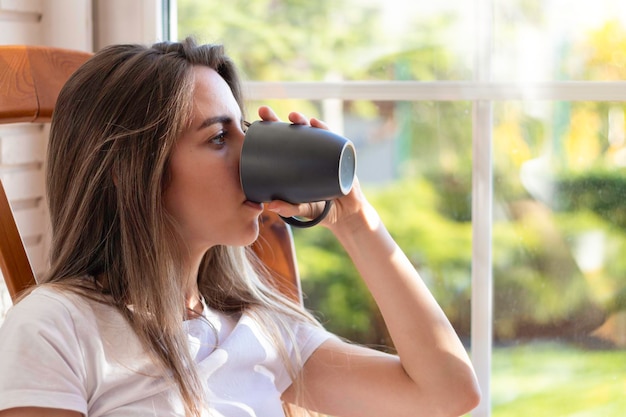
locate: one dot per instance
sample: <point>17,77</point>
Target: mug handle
<point>299,223</point>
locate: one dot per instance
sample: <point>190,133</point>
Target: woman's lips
<point>252,204</point>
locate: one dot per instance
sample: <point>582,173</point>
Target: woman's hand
<point>342,209</point>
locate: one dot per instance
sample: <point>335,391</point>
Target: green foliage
<point>285,39</point>
<point>547,380</point>
<point>539,286</point>
<point>333,288</point>
<point>418,55</point>
<point>432,241</point>
<point>594,201</point>
<point>603,191</point>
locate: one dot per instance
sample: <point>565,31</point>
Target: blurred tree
<point>539,288</point>
<point>285,40</point>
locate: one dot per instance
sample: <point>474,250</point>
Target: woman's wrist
<point>365,220</point>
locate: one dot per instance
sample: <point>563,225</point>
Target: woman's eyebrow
<point>213,120</point>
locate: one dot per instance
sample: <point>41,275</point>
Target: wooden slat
<point>51,67</point>
<point>14,262</point>
<point>276,250</point>
<point>18,100</point>
<point>31,78</point>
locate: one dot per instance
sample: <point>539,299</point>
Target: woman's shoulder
<point>50,304</point>
<point>49,297</point>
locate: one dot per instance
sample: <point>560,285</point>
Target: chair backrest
<point>30,80</point>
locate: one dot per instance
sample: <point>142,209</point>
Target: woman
<point>153,306</point>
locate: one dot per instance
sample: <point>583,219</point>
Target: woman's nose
<point>240,138</point>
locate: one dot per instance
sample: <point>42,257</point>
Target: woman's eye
<point>218,139</point>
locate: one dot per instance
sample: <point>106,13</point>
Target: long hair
<point>114,126</point>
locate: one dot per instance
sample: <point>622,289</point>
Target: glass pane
<point>559,239</point>
<point>559,40</point>
<point>337,39</point>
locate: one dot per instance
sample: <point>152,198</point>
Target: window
<point>491,136</point>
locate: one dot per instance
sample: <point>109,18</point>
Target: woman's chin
<point>252,234</point>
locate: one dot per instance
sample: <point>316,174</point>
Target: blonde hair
<point>113,129</point>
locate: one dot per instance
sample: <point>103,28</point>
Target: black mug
<point>296,163</point>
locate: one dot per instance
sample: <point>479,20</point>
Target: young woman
<point>153,305</point>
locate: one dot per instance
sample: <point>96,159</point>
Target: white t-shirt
<point>60,350</point>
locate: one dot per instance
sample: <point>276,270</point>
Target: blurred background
<point>558,186</point>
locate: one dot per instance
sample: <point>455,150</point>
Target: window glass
<point>424,41</point>
<point>337,39</point>
<point>559,239</point>
<point>559,40</point>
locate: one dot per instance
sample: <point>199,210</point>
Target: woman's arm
<point>431,375</point>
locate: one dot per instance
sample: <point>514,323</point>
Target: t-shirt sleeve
<point>308,338</point>
<point>40,357</point>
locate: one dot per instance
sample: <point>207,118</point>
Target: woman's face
<point>204,194</point>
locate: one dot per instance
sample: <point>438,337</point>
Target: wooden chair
<point>30,80</point>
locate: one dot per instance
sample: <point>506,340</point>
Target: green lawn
<point>554,380</point>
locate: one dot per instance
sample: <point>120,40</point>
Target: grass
<point>555,380</point>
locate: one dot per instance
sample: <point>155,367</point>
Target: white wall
<point>122,21</point>
<point>72,24</point>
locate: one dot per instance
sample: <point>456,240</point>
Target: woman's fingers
<point>318,123</point>
<point>266,113</point>
<point>309,210</point>
<point>298,118</point>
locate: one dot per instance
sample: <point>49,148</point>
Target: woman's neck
<point>192,293</point>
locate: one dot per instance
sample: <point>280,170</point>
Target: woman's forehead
<point>212,95</point>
